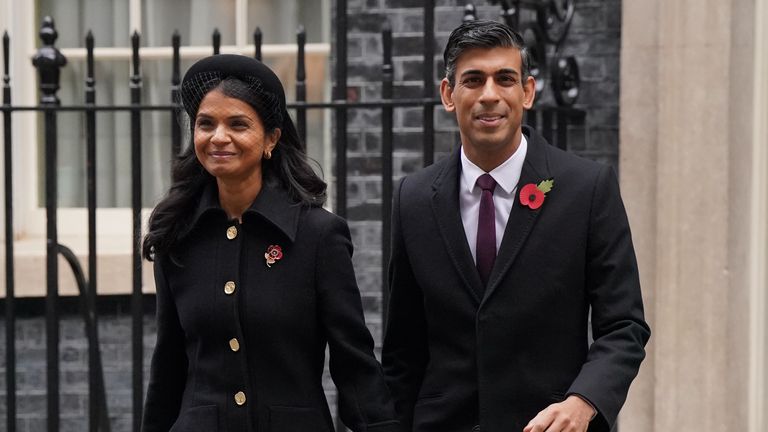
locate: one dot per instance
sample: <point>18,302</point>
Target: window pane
<point>107,19</point>
<point>279,19</point>
<point>113,135</point>
<point>317,76</point>
<point>194,19</point>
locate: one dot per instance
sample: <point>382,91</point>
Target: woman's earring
<point>267,154</point>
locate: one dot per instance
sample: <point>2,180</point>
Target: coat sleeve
<point>364,400</point>
<point>405,353</point>
<point>169,362</point>
<point>613,289</point>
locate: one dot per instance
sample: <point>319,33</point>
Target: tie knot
<point>486,182</point>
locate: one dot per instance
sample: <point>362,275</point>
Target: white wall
<point>693,183</point>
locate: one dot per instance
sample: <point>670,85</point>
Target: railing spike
<point>257,36</point>
<point>6,53</point>
<point>216,41</point>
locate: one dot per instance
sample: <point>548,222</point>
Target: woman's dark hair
<point>288,167</point>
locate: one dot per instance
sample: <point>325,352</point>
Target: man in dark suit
<point>500,252</point>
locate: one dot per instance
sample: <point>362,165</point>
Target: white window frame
<point>114,225</point>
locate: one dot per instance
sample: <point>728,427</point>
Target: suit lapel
<point>521,218</point>
<point>445,205</point>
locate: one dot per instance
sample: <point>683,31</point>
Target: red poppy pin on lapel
<point>533,195</point>
<point>273,255</point>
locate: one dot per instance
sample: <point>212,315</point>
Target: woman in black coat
<point>254,278</point>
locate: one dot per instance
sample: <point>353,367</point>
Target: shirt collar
<point>272,204</point>
<point>506,175</point>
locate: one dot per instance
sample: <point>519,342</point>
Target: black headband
<point>206,73</point>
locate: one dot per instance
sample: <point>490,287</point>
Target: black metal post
<point>216,41</point>
<point>257,43</point>
<point>387,78</point>
<point>136,305</point>
<point>48,61</point>
<point>470,13</point>
<point>301,85</point>
<point>531,118</point>
<point>97,399</point>
<point>340,95</point>
<point>429,82</point>
<point>510,13</point>
<point>546,125</point>
<point>52,268</point>
<point>175,97</point>
<point>10,307</point>
<point>562,130</point>
<point>90,301</point>
<point>341,111</point>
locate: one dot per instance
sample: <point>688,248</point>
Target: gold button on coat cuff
<point>234,344</point>
<point>240,398</point>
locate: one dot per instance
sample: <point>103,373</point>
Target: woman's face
<point>230,139</point>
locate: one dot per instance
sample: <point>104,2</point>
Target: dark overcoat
<point>241,344</point>
<point>458,360</point>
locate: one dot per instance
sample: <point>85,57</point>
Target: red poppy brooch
<point>273,255</point>
<point>532,195</point>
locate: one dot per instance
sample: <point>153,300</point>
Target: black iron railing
<point>10,294</point>
<point>544,36</point>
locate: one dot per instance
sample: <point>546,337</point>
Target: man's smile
<point>490,119</point>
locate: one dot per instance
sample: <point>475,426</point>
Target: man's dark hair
<point>482,34</point>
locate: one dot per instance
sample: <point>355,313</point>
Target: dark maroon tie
<point>486,229</point>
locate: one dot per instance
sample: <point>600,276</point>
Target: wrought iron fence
<point>547,31</point>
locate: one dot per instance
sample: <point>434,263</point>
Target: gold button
<point>231,232</point>
<point>240,398</point>
<point>234,344</point>
<point>229,288</point>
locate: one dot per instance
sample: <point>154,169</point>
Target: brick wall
<point>115,340</point>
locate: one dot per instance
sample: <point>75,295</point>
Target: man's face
<point>489,98</point>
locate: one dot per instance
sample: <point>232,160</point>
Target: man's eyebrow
<point>472,72</point>
<point>507,71</point>
<point>500,71</point>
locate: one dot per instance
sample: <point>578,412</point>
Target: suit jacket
<point>241,345</point>
<point>458,361</point>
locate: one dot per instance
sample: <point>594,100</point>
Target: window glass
<point>195,21</point>
<point>316,78</point>
<point>278,20</point>
<point>107,19</point>
<point>113,135</point>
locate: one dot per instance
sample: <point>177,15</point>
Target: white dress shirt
<point>506,175</point>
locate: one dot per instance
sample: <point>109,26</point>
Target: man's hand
<point>570,415</point>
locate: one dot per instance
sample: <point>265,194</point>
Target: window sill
<point>113,265</point>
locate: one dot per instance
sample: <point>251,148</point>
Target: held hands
<point>570,415</point>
